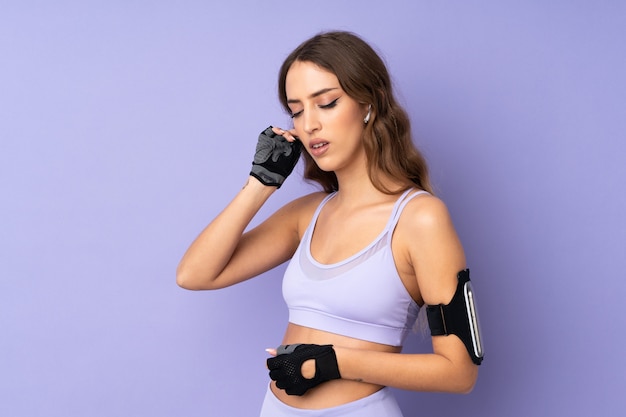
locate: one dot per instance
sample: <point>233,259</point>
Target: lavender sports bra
<point>361,297</point>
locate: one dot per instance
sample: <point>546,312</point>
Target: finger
<point>289,135</point>
<point>271,351</point>
<point>292,133</point>
<point>278,130</point>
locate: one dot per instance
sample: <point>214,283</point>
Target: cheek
<point>351,117</point>
<point>352,122</point>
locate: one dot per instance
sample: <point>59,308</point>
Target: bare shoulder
<point>425,213</point>
<point>301,209</point>
<point>426,232</point>
<point>305,204</point>
<point>428,239</point>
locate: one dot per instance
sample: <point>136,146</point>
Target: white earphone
<point>369,113</point>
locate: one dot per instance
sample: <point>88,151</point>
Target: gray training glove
<point>285,368</point>
<point>275,158</point>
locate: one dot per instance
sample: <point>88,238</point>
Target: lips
<point>318,147</point>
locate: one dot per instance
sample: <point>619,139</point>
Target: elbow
<point>191,278</point>
<point>460,380</point>
<point>467,382</point>
<point>460,386</point>
<point>466,388</point>
<point>182,279</point>
<point>189,281</point>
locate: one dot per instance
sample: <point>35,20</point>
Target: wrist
<point>342,355</point>
<point>349,361</point>
<point>254,185</point>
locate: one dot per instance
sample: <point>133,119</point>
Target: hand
<point>276,156</point>
<point>286,367</point>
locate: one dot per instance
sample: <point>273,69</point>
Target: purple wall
<point>125,128</point>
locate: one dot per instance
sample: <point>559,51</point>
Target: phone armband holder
<point>459,317</point>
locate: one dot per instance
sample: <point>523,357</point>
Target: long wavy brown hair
<point>362,74</point>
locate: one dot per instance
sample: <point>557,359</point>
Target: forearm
<point>415,372</point>
<point>211,251</point>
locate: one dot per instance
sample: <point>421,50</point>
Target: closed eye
<point>330,105</point>
<point>321,106</point>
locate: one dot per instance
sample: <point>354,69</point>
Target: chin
<point>325,165</point>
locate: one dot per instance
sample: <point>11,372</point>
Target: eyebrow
<point>317,93</point>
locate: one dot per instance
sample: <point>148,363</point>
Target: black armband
<point>459,317</point>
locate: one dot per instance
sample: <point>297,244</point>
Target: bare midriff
<point>335,392</point>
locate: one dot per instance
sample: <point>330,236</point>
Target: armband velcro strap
<point>446,319</point>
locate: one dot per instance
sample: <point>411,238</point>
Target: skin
<point>425,246</point>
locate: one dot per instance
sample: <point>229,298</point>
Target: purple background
<point>126,126</point>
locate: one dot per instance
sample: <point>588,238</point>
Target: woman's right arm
<point>223,255</point>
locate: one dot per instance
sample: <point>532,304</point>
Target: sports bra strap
<point>399,207</point>
<point>391,224</point>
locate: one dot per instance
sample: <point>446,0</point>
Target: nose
<point>310,121</point>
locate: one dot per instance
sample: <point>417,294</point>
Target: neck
<point>355,187</point>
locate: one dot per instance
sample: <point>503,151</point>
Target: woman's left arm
<point>449,369</point>
<point>432,255</point>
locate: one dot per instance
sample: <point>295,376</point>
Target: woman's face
<point>328,122</point>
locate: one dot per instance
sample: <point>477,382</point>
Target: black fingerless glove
<point>275,158</point>
<point>286,367</point>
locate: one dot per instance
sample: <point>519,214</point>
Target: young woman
<point>364,254</point>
